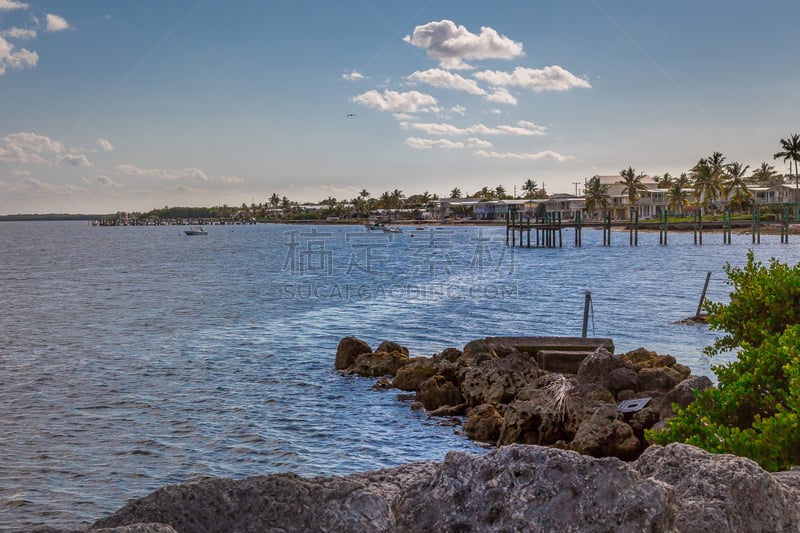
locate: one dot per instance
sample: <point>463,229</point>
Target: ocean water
<point>131,358</point>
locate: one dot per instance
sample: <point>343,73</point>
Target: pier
<point>546,230</point>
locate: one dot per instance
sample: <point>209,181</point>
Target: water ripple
<point>136,357</point>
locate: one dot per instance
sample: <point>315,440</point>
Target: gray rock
<point>719,492</point>
<point>677,488</point>
<point>531,488</point>
<point>497,381</point>
<point>683,393</point>
<point>281,502</point>
<point>605,434</point>
<point>598,368</point>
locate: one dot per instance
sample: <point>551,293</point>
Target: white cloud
<point>29,148</point>
<point>33,183</point>
<point>353,76</point>
<point>427,144</point>
<point>76,160</point>
<point>133,170</point>
<point>193,174</point>
<point>452,44</point>
<point>474,142</point>
<point>56,23</point>
<point>231,180</point>
<point>105,145</point>
<point>523,128</point>
<point>15,58</point>
<point>446,80</point>
<point>552,78</point>
<point>18,33</point>
<point>459,110</point>
<point>407,102</point>
<point>107,182</point>
<point>10,5</point>
<point>501,96</point>
<point>547,154</point>
<point>184,174</point>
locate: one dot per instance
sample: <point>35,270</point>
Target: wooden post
<point>703,296</point>
<point>587,302</point>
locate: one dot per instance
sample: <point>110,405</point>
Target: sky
<point>138,104</point>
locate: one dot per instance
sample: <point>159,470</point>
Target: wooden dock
<point>547,231</point>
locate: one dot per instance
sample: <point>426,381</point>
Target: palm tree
<point>500,191</point>
<point>596,195</point>
<point>707,186</point>
<point>455,193</point>
<point>765,175</point>
<point>683,180</point>
<point>736,186</point>
<point>485,193</point>
<point>364,194</point>
<point>678,196</point>
<point>530,187</point>
<point>397,198</point>
<point>665,181</point>
<point>385,200</point>
<point>274,200</point>
<point>633,185</point>
<point>791,153</point>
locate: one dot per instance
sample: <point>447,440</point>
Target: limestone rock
<point>720,492</point>
<point>437,391</point>
<point>484,423</point>
<point>379,364</point>
<point>530,488</point>
<point>475,352</point>
<point>683,393</point>
<point>658,379</point>
<point>411,376</point>
<point>497,380</point>
<point>390,346</point>
<point>598,367</point>
<point>280,502</point>
<point>448,354</point>
<point>531,422</point>
<point>605,434</point>
<point>348,350</point>
<point>138,528</point>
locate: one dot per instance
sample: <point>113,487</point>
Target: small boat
<point>380,226</point>
<point>196,230</point>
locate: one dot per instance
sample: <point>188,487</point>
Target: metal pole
<point>703,296</point>
<point>587,301</point>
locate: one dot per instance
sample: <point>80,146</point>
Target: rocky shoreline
<point>560,392</point>
<point>569,457</point>
<point>514,488</point>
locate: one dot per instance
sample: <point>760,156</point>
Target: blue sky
<point>136,104</point>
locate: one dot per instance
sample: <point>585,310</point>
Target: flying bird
<point>350,115</point>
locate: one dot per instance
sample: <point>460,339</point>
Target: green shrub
<point>764,300</point>
<point>755,409</point>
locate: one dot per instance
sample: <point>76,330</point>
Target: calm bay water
<point>137,357</point>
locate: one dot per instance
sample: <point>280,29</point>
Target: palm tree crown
<point>790,152</point>
<point>596,195</point>
<point>633,185</point>
<point>736,185</point>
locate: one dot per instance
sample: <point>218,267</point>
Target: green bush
<point>755,409</point>
<point>764,301</point>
